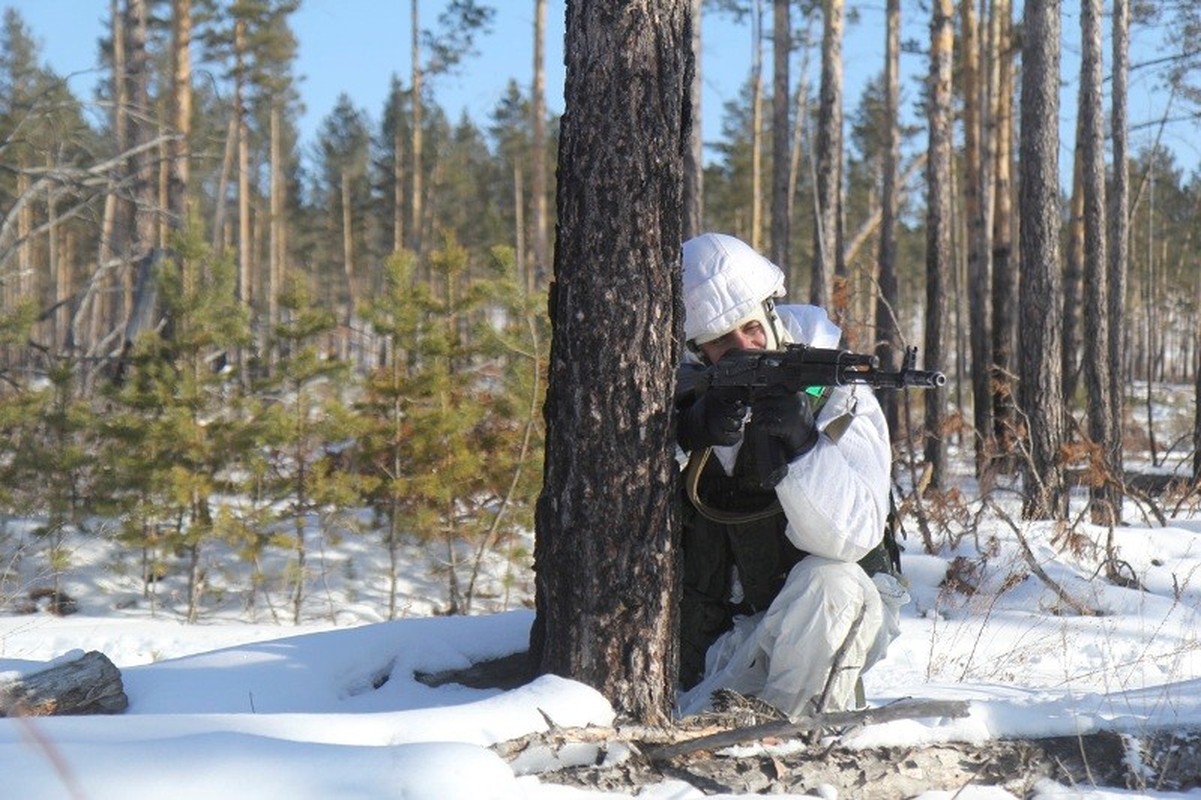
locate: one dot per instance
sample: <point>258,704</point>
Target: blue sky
<point>356,45</point>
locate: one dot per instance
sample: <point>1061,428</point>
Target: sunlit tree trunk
<point>1103,497</point>
<point>538,150</point>
<point>694,164</point>
<point>181,111</point>
<point>757,125</point>
<point>244,242</point>
<point>827,247</point>
<point>415,150</point>
<point>938,228</point>
<point>277,238</point>
<point>398,177</point>
<point>780,138</point>
<point>1041,285</point>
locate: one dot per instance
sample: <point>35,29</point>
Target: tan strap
<point>692,480</point>
<point>698,458</point>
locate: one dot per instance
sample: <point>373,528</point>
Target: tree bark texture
<point>1073,274</point>
<point>1104,498</point>
<point>827,239</point>
<point>756,12</point>
<point>938,227</point>
<point>979,266</point>
<point>1041,286</point>
<point>888,336</point>
<point>780,138</point>
<point>1119,244</point>
<point>1004,265</point>
<point>604,552</point>
<point>181,111</point>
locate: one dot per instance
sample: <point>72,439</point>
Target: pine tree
<point>172,430</point>
<point>303,424</point>
<point>453,436</point>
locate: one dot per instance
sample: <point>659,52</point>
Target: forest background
<point>227,337</point>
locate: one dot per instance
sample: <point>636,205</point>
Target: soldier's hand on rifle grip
<point>712,420</point>
<point>789,419</point>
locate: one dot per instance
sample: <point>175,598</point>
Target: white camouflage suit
<point>835,499</point>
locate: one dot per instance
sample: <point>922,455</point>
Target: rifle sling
<point>698,459</point>
<point>692,480</point>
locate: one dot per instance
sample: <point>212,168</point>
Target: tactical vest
<point>732,524</point>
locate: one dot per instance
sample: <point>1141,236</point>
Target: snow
<point>234,708</point>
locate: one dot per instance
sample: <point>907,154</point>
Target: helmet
<point>726,283</point>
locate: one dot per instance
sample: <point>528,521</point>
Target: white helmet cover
<point>725,282</point>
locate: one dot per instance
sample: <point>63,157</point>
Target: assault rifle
<point>750,374</point>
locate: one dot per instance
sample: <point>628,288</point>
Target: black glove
<point>712,420</point>
<point>787,418</point>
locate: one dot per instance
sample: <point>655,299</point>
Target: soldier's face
<point>750,335</point>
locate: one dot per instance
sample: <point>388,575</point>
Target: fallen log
<point>912,708</point>
<point>89,684</point>
<point>561,747</point>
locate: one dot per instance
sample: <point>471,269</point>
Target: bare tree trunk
<point>938,228</point>
<point>277,240</point>
<point>888,335</point>
<point>181,111</point>
<point>24,282</point>
<point>227,166</point>
<point>244,243</point>
<point>1073,275</point>
<point>145,195</point>
<point>979,266</point>
<point>799,129</point>
<point>756,236</point>
<point>1041,286</point>
<point>1119,245</point>
<point>348,250</point>
<point>59,270</point>
<point>694,157</point>
<point>398,182</point>
<point>605,563</point>
<point>1004,264</point>
<point>827,237</point>
<point>415,196</point>
<point>531,282</point>
<point>1104,497</point>
<point>780,139</point>
<point>538,148</point>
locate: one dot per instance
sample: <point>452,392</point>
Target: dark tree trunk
<point>887,333</point>
<point>938,227</point>
<point>979,268</point>
<point>605,521</point>
<point>1041,285</point>
<point>1104,498</point>
<point>1119,245</point>
<point>1004,265</point>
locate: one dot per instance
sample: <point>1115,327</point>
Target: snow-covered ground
<point>237,706</point>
